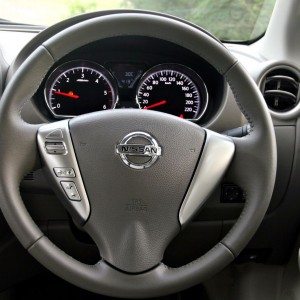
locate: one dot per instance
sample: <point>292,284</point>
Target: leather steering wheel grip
<point>253,166</point>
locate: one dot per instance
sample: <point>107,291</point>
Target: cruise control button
<point>64,172</point>
<point>55,148</point>
<point>55,135</point>
<point>71,190</point>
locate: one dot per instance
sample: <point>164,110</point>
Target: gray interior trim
<point>293,113</point>
<point>216,156</point>
<point>80,210</point>
<point>21,27</point>
<point>281,40</point>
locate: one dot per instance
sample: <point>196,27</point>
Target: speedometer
<point>173,89</point>
<point>79,87</point>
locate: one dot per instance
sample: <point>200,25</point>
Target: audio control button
<point>71,190</point>
<point>64,172</point>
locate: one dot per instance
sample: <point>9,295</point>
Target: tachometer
<point>79,87</point>
<point>173,89</point>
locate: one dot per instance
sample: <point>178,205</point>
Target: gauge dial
<point>79,87</point>
<point>173,89</point>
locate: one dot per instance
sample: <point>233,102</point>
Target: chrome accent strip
<point>217,154</point>
<point>79,209</point>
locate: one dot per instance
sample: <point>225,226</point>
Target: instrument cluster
<point>82,86</point>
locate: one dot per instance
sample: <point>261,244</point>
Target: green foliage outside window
<point>227,19</point>
<point>233,20</point>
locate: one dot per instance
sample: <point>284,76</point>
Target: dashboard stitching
<point>247,116</point>
<point>249,119</point>
<point>236,97</point>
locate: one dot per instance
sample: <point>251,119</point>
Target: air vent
<point>280,87</point>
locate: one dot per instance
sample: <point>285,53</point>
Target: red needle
<point>162,102</point>
<point>70,94</point>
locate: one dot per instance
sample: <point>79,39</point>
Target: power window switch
<point>64,172</point>
<point>71,190</point>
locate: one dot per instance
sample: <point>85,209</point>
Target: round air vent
<point>280,87</point>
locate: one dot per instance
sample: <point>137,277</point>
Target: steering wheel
<point>135,177</point>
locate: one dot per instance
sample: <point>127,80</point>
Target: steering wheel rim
<point>254,171</point>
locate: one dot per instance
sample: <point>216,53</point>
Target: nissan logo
<point>138,150</point>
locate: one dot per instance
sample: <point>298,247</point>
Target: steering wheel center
<point>139,150</point>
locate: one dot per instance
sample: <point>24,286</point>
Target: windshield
<point>229,20</point>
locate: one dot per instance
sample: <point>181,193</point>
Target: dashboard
<point>125,66</point>
<point>136,72</point>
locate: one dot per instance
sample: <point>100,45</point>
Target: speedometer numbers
<point>79,87</point>
<point>173,89</point>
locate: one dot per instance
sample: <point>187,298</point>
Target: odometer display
<point>79,87</point>
<point>173,89</point>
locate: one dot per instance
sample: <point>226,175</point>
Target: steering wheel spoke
<point>216,157</point>
<point>57,151</point>
<point>248,160</point>
<point>21,137</point>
